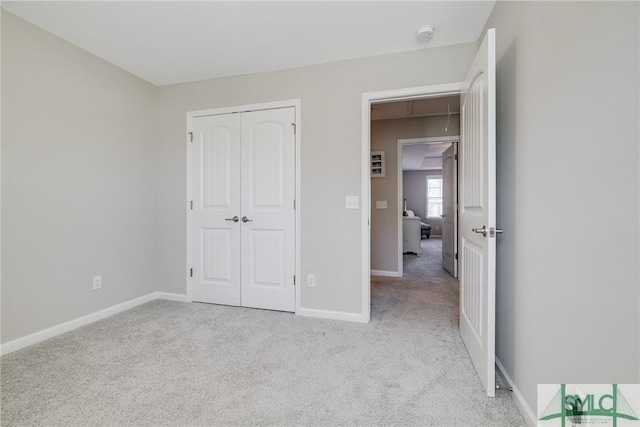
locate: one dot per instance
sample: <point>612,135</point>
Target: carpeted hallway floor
<point>169,363</point>
<point>428,263</point>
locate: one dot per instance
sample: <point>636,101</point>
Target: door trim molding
<point>369,98</point>
<point>296,104</point>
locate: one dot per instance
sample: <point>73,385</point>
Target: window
<point>434,196</point>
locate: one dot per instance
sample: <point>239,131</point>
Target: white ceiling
<point>423,156</point>
<point>166,42</point>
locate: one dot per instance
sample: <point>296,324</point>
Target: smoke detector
<point>425,33</point>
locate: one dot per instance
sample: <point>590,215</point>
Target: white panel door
<point>215,184</point>
<point>268,216</point>
<point>449,211</point>
<point>478,213</point>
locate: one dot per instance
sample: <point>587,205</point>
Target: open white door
<point>478,212</point>
<point>449,211</point>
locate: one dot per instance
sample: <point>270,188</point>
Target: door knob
<point>245,219</point>
<point>482,230</point>
<point>234,219</point>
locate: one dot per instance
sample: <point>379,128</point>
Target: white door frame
<point>401,144</point>
<point>369,98</point>
<point>295,103</point>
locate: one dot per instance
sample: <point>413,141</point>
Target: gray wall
<point>331,98</point>
<point>567,292</point>
<point>414,188</point>
<point>78,181</point>
<point>384,222</point>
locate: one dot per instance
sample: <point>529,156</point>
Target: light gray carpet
<point>428,263</point>
<point>170,363</point>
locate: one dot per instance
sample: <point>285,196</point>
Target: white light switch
<point>381,204</point>
<point>352,202</point>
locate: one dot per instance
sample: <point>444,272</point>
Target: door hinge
<point>455,157</point>
<point>294,280</point>
<point>191,272</point>
<point>294,128</point>
<point>190,136</point>
<point>191,205</point>
<point>455,256</point>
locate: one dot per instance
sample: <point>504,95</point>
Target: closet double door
<point>242,224</point>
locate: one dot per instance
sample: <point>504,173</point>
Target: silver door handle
<point>245,219</point>
<point>482,230</point>
<point>234,219</point>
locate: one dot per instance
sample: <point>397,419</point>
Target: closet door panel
<point>215,183</point>
<point>268,192</point>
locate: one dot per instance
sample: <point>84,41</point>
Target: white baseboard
<point>522,405</point>
<point>36,337</point>
<point>385,273</point>
<point>333,315</point>
<point>171,297</point>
